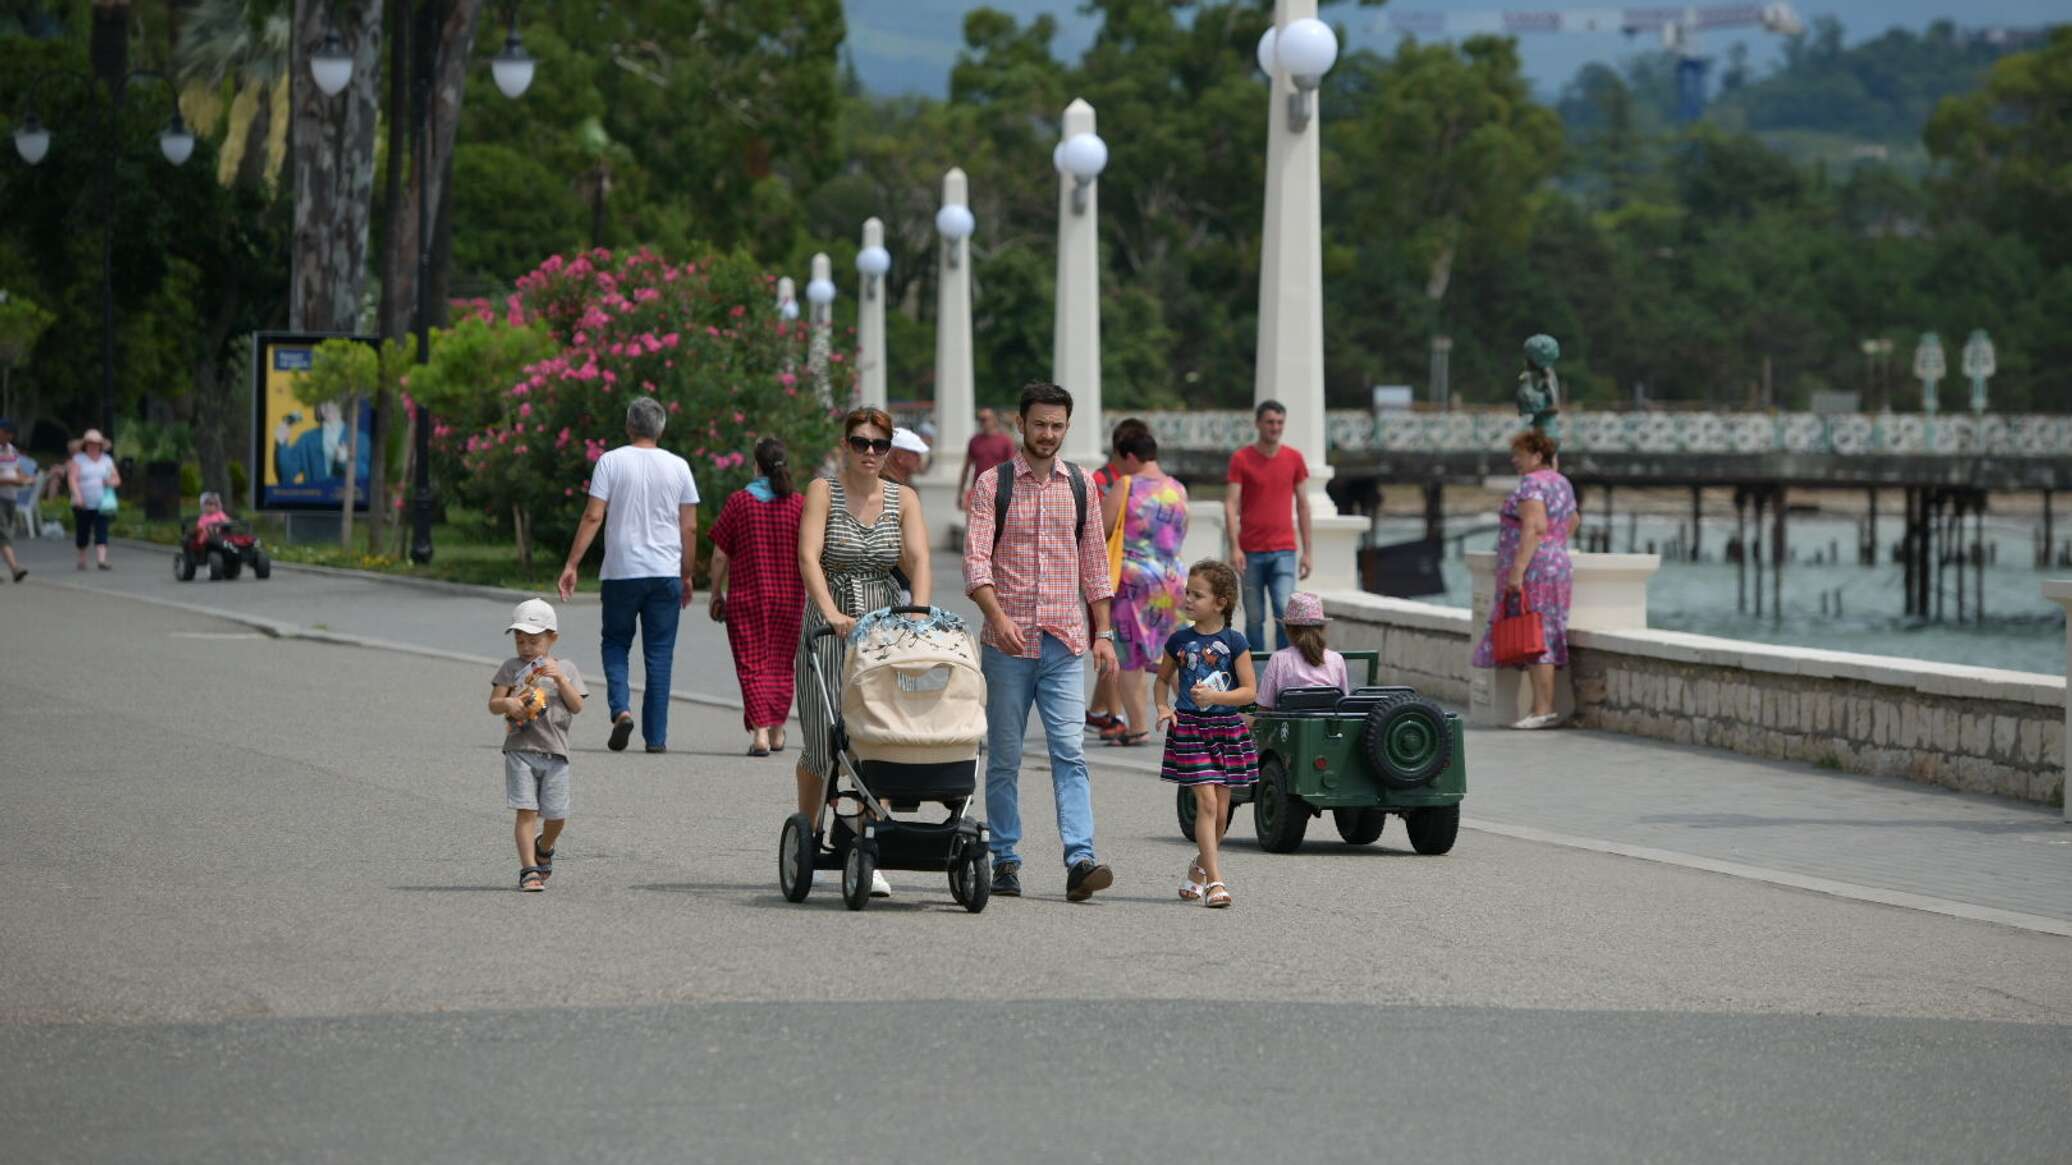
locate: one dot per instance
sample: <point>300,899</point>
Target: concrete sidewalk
<point>1791,824</point>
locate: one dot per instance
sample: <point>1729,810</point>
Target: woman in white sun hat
<point>92,480</point>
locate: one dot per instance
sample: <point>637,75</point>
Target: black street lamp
<point>32,141</point>
<point>332,69</point>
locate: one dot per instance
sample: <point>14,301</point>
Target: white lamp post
<point>820,294</point>
<point>1291,280</point>
<point>1980,362</point>
<point>1076,339</point>
<point>872,263</point>
<point>787,299</point>
<point>953,378</point>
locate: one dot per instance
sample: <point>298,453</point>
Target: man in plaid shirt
<point>1037,587</point>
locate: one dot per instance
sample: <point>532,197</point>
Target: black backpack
<point>1003,492</point>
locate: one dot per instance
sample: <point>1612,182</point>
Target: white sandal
<point>1191,890</point>
<point>1215,895</point>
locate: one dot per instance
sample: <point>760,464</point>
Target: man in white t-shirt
<point>646,501</point>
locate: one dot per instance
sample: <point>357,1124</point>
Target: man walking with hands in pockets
<point>646,502</point>
<point>1036,565</point>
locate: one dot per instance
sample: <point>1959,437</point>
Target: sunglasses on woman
<point>878,445</point>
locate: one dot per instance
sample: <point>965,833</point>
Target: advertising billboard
<point>301,451</point>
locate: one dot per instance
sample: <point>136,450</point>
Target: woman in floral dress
<point>1146,608</point>
<point>1532,558</point>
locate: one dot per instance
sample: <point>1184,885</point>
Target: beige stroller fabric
<point>912,692</point>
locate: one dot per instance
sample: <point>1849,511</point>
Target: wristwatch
<point>1107,635</point>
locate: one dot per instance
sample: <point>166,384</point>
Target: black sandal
<point>532,879</point>
<point>545,858</point>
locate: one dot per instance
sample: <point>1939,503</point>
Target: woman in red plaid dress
<point>756,592</point>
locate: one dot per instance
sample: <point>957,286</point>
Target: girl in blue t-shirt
<point>1203,679</point>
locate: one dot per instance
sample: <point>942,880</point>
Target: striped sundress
<point>858,562</point>
<point>1207,746</point>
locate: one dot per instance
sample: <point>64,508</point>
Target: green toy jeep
<point>1363,756</point>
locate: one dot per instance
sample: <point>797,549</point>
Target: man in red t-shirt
<point>1263,509</point>
<point>989,447</point>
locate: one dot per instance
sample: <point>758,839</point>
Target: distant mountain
<point>908,46</point>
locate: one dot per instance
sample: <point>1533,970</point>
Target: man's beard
<point>1040,449</point>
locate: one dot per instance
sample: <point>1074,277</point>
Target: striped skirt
<point>1209,750</point>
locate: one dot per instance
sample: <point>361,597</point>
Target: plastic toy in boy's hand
<point>1216,681</point>
<point>530,701</point>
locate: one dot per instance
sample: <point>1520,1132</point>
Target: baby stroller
<point>913,710</point>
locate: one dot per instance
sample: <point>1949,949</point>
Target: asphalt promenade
<point>260,907</point>
<point>1792,823</point>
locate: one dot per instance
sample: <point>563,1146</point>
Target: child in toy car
<point>225,545</point>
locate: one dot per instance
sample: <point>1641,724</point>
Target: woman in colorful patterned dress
<point>1148,595</point>
<point>1532,559</point>
<point>757,592</point>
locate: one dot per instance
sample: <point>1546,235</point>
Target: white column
<point>2059,591</point>
<point>1291,312</point>
<point>1075,359</point>
<point>870,325</point>
<point>954,407</point>
<point>822,316</point>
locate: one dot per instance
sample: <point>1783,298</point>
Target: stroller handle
<point>824,631</point>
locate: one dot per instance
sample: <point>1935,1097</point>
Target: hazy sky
<point>909,45</point>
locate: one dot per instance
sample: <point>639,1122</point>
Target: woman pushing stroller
<point>855,529</point>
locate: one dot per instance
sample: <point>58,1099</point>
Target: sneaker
<point>658,748</point>
<point>1007,880</point>
<point>880,888</point>
<point>1547,720</point>
<point>622,731</point>
<point>19,575</point>
<point>1085,877</point>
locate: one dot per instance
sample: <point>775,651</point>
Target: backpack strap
<point>1003,493</point>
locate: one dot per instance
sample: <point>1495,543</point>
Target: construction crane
<point>1678,28</point>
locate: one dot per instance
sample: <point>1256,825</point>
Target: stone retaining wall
<point>1979,730</point>
<point>1423,645</point>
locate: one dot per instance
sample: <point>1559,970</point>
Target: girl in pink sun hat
<point>1306,662</point>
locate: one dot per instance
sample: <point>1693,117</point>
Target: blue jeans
<point>654,601</point>
<point>1267,573</point>
<point>1056,684</point>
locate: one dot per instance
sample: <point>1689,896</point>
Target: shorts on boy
<point>536,752</point>
<point>537,781</point>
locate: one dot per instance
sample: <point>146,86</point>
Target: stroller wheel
<point>856,876</point>
<point>795,858</point>
<point>971,880</point>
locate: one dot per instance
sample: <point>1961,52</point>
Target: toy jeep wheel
<point>1406,741</point>
<point>1278,816</point>
<point>1360,826</point>
<point>1432,830</point>
<point>217,567</point>
<point>183,567</point>
<point>1183,808</point>
<point>262,566</point>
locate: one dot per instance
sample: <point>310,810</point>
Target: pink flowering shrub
<point>703,338</point>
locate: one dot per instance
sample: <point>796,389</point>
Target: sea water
<point>2021,631</point>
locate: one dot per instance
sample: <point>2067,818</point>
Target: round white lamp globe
<point>31,140</point>
<point>1308,48</point>
<point>821,292</point>
<point>331,66</point>
<point>176,143</point>
<point>954,222</point>
<point>873,261</point>
<point>512,68</point>
<point>1083,156</point>
<point>1266,50</point>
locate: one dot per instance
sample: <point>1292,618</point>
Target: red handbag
<point>1518,636</point>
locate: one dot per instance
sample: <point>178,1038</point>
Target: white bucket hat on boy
<point>532,617</point>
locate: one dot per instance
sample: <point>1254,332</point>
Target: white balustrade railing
<point>2016,435</point>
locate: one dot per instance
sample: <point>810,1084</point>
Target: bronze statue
<point>1539,390</point>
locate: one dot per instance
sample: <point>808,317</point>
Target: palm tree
<point>226,40</point>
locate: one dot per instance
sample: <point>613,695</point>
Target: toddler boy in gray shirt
<point>537,695</point>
